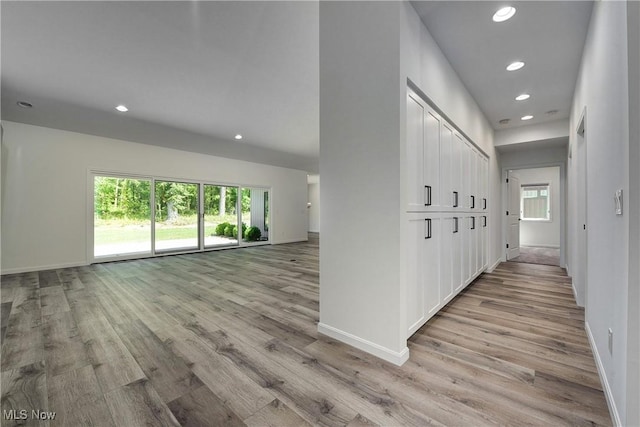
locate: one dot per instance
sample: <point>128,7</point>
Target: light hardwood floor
<point>229,338</point>
<point>538,255</point>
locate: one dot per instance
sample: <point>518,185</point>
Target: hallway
<point>538,255</point>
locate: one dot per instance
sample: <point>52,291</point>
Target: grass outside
<point>121,231</point>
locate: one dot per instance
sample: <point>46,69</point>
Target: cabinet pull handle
<point>473,222</point>
<point>428,224</point>
<point>455,224</point>
<point>428,188</point>
<point>455,199</point>
<point>485,220</point>
<point>473,202</point>
<point>484,201</point>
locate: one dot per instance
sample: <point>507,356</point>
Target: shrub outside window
<point>535,202</point>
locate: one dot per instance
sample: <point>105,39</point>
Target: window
<point>121,216</point>
<point>535,202</point>
<point>136,217</point>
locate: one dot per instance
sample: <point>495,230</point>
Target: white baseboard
<point>575,294</point>
<point>613,410</point>
<point>494,265</point>
<point>41,268</point>
<point>282,242</point>
<point>397,358</point>
<point>541,246</point>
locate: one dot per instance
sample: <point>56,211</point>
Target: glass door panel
<point>255,214</point>
<point>121,216</point>
<point>176,222</point>
<point>220,216</point>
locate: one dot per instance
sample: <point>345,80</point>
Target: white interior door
<point>580,271</point>
<point>513,216</point>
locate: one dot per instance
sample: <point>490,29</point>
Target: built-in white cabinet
<point>423,159</point>
<point>446,209</point>
<point>423,269</point>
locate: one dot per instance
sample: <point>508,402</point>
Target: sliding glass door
<point>255,214</point>
<point>121,217</point>
<point>176,210</point>
<point>220,216</point>
<point>142,216</point>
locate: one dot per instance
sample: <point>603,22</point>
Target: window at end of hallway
<point>535,202</point>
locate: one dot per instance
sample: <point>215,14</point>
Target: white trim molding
<point>20,270</point>
<point>613,410</point>
<point>397,358</point>
<point>575,293</point>
<point>494,265</point>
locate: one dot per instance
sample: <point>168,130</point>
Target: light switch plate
<point>618,202</point>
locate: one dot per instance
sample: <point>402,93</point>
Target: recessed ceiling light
<point>515,66</point>
<point>122,108</point>
<point>238,137</point>
<point>25,104</point>
<point>504,121</point>
<point>526,117</point>
<point>504,14</point>
<point>522,97</point>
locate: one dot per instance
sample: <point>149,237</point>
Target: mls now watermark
<point>23,414</point>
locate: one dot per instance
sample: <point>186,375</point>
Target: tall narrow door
<point>581,269</point>
<point>513,215</point>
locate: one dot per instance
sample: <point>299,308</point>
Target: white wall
<point>542,233</point>
<point>314,209</point>
<point>537,132</point>
<point>44,190</point>
<point>603,88</point>
<point>360,172</point>
<point>633,328</point>
<point>368,50</point>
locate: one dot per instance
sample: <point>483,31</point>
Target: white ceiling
<point>193,74</point>
<point>548,36</point>
<point>196,73</point>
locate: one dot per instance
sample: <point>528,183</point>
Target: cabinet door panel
<point>484,179</point>
<point>467,178</point>
<point>473,177</point>
<point>447,153</point>
<point>457,172</point>
<point>457,273</point>
<point>431,264</point>
<point>473,244</point>
<point>432,160</point>
<point>415,154</point>
<point>416,308</point>
<point>476,188</point>
<point>465,229</point>
<point>483,243</point>
<point>447,258</point>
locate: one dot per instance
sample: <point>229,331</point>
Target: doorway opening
<point>535,215</point>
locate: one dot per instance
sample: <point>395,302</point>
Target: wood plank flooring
<point>229,338</point>
<point>538,255</point>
